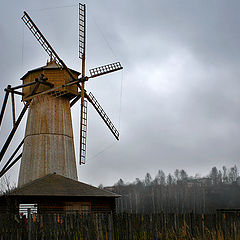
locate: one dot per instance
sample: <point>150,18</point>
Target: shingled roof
<point>57,185</point>
<point>50,66</point>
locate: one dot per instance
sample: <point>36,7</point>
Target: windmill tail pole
<point>13,155</point>
<point>6,169</point>
<point>4,104</point>
<point>9,139</point>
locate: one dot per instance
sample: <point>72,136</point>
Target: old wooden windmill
<point>49,92</point>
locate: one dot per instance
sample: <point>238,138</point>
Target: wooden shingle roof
<point>57,185</point>
<point>49,66</point>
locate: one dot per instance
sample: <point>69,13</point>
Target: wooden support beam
<point>4,104</point>
<point>13,108</point>
<point>4,171</point>
<point>35,89</point>
<point>9,139</point>
<point>75,99</point>
<point>52,90</point>
<point>13,91</point>
<point>23,85</point>
<point>45,83</point>
<point>13,155</point>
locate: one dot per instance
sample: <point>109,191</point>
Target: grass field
<point>120,226</point>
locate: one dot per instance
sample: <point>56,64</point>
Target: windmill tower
<point>48,143</point>
<point>48,93</point>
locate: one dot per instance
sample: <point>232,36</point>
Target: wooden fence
<point>75,226</point>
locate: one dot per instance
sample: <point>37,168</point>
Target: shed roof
<point>57,185</point>
<point>50,66</point>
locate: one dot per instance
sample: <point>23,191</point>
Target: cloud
<point>179,91</point>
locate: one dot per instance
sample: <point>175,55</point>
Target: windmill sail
<point>83,134</point>
<point>82,48</point>
<point>82,30</point>
<point>103,115</point>
<point>44,43</point>
<point>95,72</point>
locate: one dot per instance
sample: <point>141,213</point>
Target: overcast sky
<point>177,101</point>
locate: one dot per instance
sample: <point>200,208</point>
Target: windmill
<point>40,89</point>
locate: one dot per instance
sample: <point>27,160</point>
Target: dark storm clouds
<point>180,94</point>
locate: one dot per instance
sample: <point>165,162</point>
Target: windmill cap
<point>51,65</point>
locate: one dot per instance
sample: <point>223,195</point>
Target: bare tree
<point>5,185</point>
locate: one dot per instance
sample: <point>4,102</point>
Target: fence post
<point>203,225</point>
<point>29,223</point>
<point>110,225</point>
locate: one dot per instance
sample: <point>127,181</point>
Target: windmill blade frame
<point>83,111</point>
<point>82,30</point>
<point>44,43</point>
<point>103,115</point>
<point>83,134</point>
<point>102,70</point>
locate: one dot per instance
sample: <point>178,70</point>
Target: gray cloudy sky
<point>176,102</point>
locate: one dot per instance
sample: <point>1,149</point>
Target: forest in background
<point>180,193</point>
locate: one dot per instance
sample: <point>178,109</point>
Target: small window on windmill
<point>23,208</point>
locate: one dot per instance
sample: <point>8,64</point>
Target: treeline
<point>180,193</point>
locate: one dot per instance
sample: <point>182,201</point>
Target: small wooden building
<point>56,193</point>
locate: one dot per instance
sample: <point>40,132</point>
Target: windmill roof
<point>50,66</point>
<point>57,185</point>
